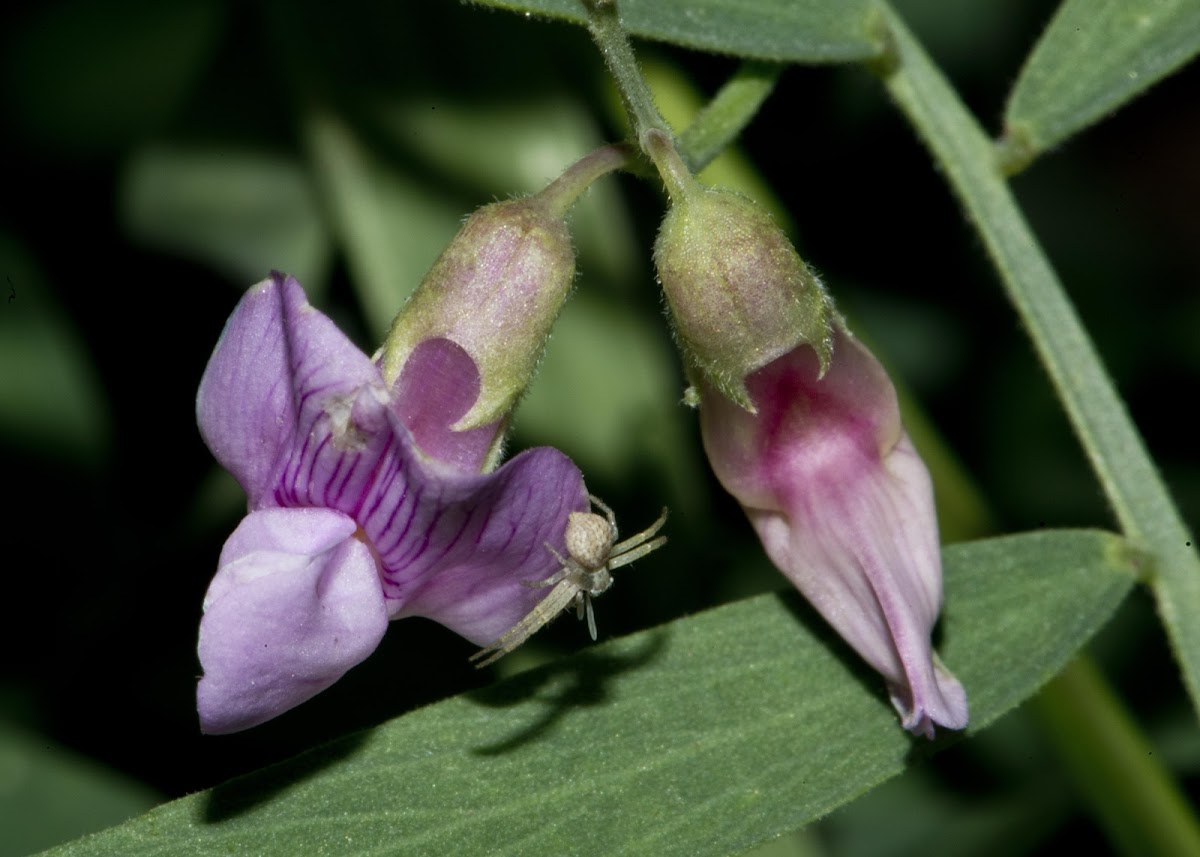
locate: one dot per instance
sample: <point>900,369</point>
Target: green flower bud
<point>740,295</point>
<point>495,291</point>
<point>498,287</point>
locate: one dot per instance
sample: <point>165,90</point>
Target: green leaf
<point>391,226</point>
<point>1115,449</point>
<point>49,795</point>
<point>1094,56</point>
<point>51,397</point>
<point>781,30</point>
<point>703,736</point>
<point>728,113</point>
<point>243,212</point>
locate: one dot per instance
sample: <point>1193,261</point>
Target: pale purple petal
<point>351,522</point>
<point>278,367</point>
<point>436,388</point>
<point>243,407</point>
<point>468,546</point>
<point>844,507</point>
<point>295,603</point>
<point>856,544</point>
<point>453,545</point>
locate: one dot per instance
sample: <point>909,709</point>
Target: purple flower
<point>843,506</point>
<point>364,506</point>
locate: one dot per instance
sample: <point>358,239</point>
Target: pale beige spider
<point>585,573</point>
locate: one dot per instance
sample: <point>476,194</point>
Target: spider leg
<point>608,513</point>
<point>543,612</point>
<point>634,541</point>
<point>591,617</point>
<point>557,577</point>
<point>561,574</point>
<point>636,554</point>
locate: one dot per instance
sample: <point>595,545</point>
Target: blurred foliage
<point>48,794</point>
<point>158,158</point>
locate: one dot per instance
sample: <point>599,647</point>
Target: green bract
<point>740,295</point>
<point>495,291</point>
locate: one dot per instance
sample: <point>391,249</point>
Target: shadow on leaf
<point>582,681</point>
<point>246,793</point>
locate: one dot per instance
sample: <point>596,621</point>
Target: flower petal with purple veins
<point>485,535</point>
<point>256,398</point>
<point>351,524</point>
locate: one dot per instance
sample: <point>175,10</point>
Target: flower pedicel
<point>371,485</point>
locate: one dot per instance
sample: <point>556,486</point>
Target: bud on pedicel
<point>740,295</point>
<point>495,291</point>
<point>498,287</point>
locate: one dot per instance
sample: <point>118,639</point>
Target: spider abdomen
<point>589,539</point>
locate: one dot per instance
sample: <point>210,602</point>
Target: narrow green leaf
<point>244,212</point>
<point>703,736</point>
<point>1094,56</point>
<point>390,224</point>
<point>49,794</point>
<point>730,110</point>
<point>1140,500</point>
<point>51,396</point>
<point>810,31</point>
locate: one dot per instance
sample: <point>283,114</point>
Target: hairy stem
<point>1130,792</point>
<point>604,24</point>
<point>1141,502</point>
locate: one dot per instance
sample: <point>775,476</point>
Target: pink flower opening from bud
<point>844,508</point>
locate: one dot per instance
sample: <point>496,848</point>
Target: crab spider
<point>586,571</point>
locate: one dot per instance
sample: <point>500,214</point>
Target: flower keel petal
<point>295,604</point>
<point>844,508</point>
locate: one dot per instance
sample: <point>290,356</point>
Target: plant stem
<point>604,24</point>
<point>675,173</point>
<point>1141,502</point>
<point>1132,795</point>
<point>561,194</point>
<point>1114,766</point>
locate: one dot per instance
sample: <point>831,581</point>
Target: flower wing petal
<point>460,545</point>
<point>277,367</point>
<point>295,603</point>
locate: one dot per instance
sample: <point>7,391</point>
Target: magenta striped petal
<point>303,420</point>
